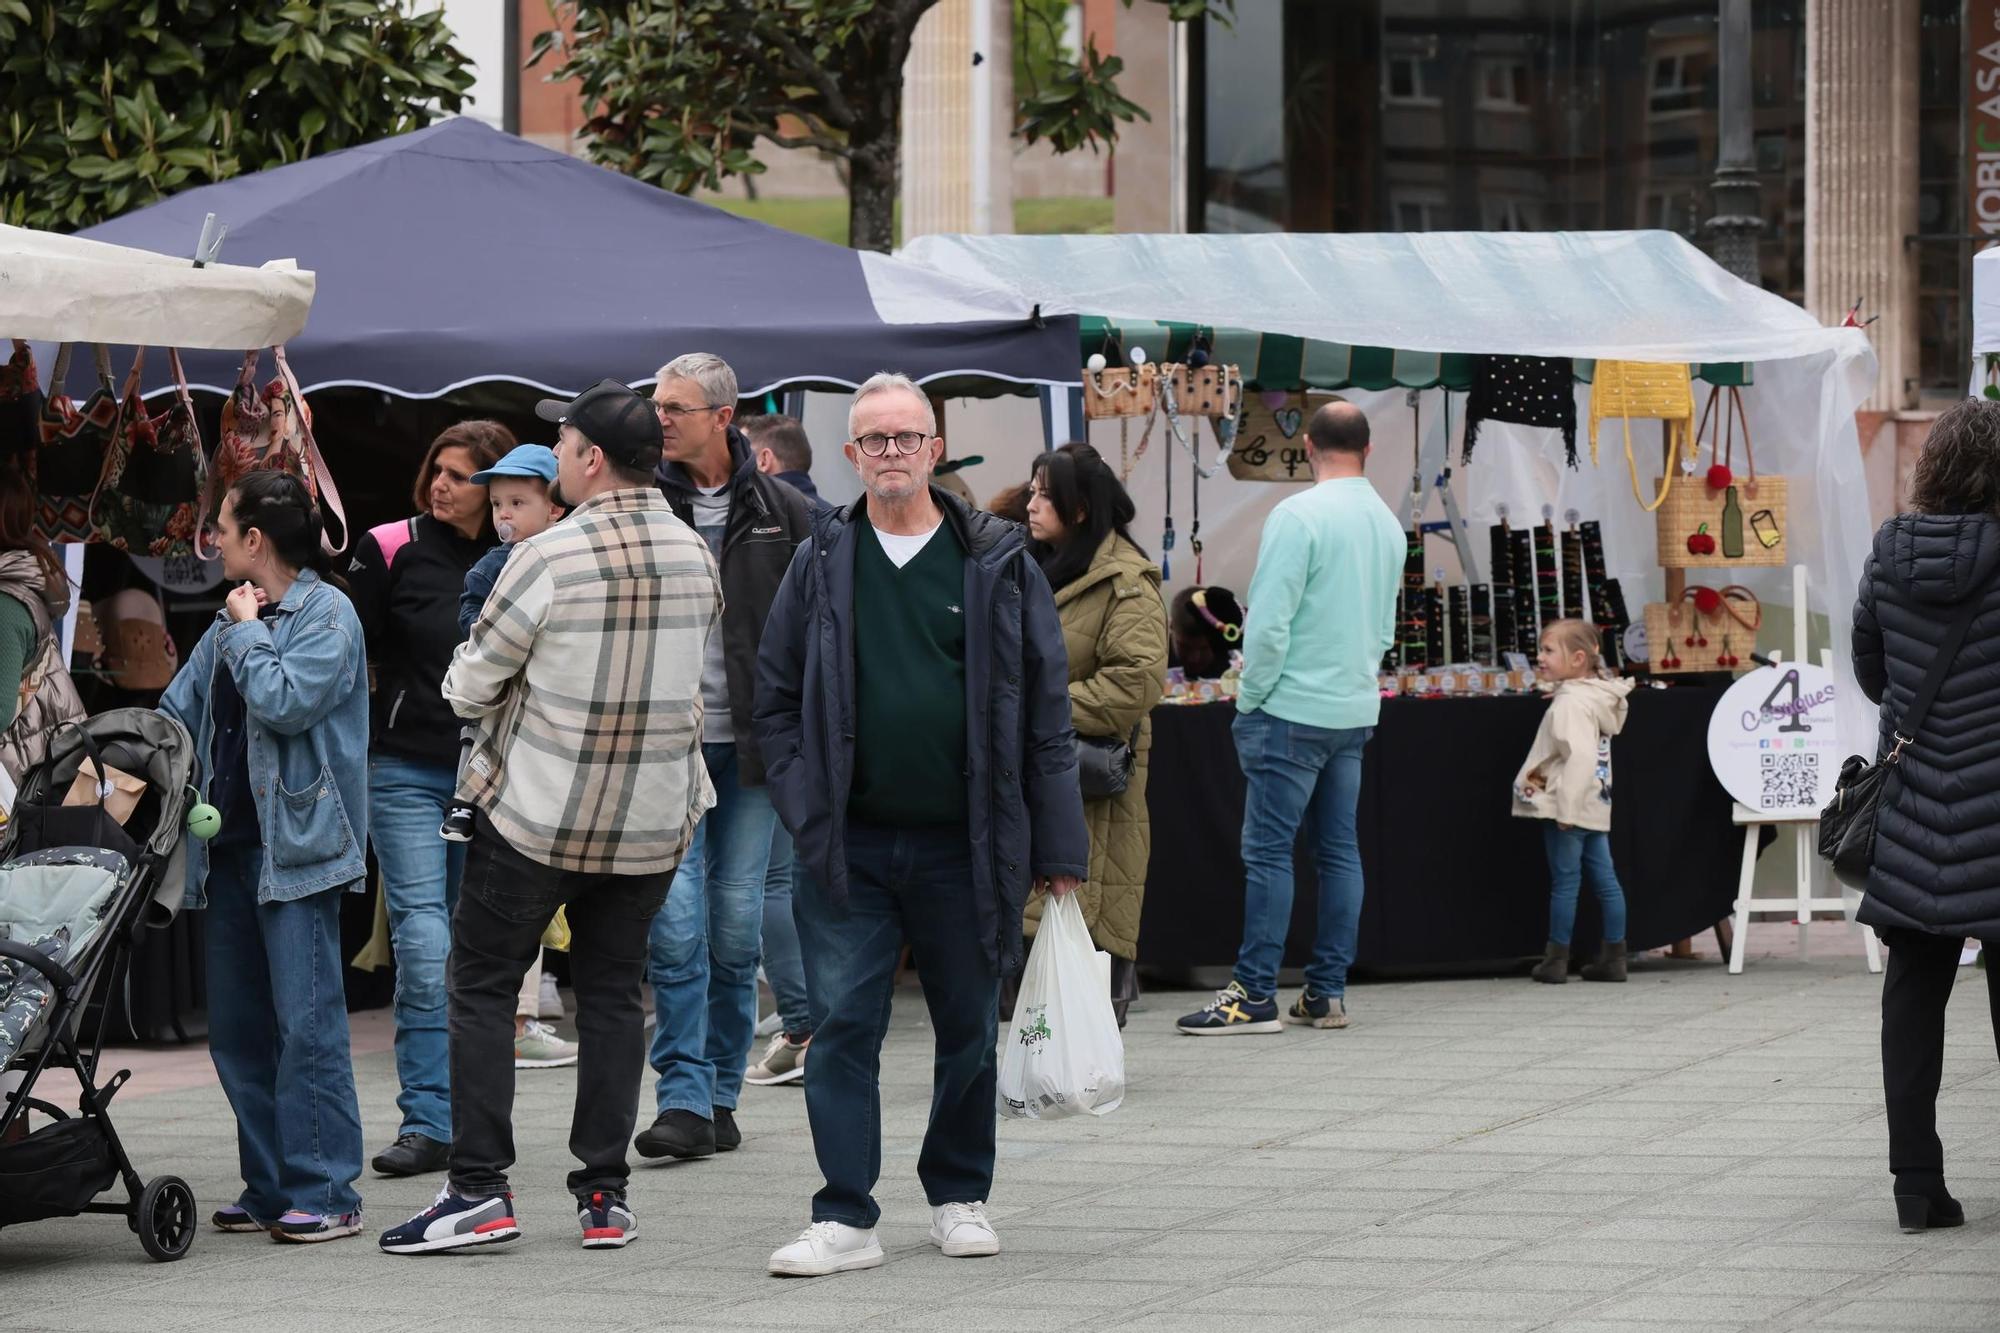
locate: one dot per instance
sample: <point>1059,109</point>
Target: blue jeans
<point>703,955</point>
<point>909,886</point>
<point>407,800</point>
<point>1293,773</point>
<point>277,1031</point>
<point>784,968</point>
<point>1575,853</point>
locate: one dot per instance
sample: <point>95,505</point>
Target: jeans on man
<point>703,962</point>
<point>784,967</point>
<point>277,1031</point>
<point>904,886</point>
<point>407,800</point>
<point>1576,854</point>
<point>1296,773</point>
<point>504,905</point>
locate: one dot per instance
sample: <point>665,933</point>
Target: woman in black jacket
<point>405,579</point>
<point>1936,877</point>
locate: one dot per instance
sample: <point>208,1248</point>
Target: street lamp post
<point>1737,220</point>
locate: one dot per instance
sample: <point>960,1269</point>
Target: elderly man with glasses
<point>913,714</point>
<point>705,941</point>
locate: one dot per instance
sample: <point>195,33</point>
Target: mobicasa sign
<point>1983,116</point>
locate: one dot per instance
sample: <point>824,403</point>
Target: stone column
<point>1861,179</point>
<point>1148,173</point>
<point>957,161</point>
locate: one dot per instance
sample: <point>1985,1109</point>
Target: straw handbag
<point>1731,521</point>
<point>1130,392</point>
<point>1709,629</point>
<point>1643,390</point>
<point>1211,391</point>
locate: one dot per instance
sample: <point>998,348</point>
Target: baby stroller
<point>76,888</point>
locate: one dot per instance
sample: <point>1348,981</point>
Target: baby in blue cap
<point>519,488</point>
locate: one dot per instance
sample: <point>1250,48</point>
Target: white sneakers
<point>959,1229</point>
<point>962,1231</point>
<point>825,1248</point>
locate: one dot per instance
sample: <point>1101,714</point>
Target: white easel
<point>1801,901</point>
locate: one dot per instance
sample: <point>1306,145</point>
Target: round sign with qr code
<point>1771,740</point>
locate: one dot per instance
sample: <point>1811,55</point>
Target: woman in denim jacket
<point>276,696</point>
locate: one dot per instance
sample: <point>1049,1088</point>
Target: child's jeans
<point>1574,854</point>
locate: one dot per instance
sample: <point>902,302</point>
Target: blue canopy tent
<point>458,254</point>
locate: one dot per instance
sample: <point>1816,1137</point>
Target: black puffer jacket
<point>1937,850</point>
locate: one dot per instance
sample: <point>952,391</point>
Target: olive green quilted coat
<point>1115,630</point>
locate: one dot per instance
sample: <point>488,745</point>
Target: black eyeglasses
<point>906,442</point>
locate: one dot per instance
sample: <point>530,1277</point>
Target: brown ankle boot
<point>1610,964</point>
<point>1554,967</point>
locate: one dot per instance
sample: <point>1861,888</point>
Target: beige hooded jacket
<point>1567,777</point>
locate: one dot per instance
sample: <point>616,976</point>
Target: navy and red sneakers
<point>606,1220</point>
<point>454,1222</point>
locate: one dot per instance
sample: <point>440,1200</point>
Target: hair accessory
<point>1230,633</point>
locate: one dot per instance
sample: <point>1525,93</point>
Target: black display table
<point>1451,875</point>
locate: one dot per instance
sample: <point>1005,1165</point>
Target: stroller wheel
<point>165,1218</point>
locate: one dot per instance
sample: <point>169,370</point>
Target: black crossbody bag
<point>1847,826</point>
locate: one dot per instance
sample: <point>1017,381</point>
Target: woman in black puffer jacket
<point>1936,877</point>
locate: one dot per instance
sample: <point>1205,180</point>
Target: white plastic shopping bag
<point>1064,1055</point>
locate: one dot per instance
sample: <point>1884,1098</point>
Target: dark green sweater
<point>909,688</point>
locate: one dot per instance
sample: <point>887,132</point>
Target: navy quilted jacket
<point>1937,851</point>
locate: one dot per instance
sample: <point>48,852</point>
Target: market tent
<point>458,254</point>
<point>1985,303</point>
<point>61,288</point>
<point>1401,305</point>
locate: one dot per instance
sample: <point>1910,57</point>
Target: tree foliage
<point>107,105</point>
<point>682,92</point>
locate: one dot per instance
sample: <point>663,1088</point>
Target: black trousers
<point>1916,985</point>
<point>505,901</point>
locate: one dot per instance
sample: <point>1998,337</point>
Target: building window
<point>1419,210</point>
<point>1413,75</point>
<point>1679,75</point>
<point>1502,85</point>
<point>1504,213</point>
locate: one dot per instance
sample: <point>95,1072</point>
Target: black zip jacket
<point>408,604</point>
<point>767,521</point>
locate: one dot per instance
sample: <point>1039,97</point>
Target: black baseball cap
<point>615,418</point>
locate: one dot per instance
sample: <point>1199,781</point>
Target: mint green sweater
<point>1322,607</point>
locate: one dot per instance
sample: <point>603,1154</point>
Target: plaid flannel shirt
<point>584,671</point>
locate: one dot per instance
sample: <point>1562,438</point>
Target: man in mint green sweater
<point>1322,611</point>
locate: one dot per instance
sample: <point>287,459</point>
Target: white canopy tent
<point>1985,311</point>
<point>67,289</point>
<point>1641,296</point>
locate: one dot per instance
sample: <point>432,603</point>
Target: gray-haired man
<point>704,945</point>
<point>913,709</point>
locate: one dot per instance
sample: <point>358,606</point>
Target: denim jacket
<point>304,682</point>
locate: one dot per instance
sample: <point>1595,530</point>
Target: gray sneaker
<point>783,1062</point>
<point>538,1047</point>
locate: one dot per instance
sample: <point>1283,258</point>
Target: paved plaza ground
<point>1689,1150</point>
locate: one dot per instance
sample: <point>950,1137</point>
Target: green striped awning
<point>1276,361</point>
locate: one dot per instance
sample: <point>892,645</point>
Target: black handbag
<point>1104,765</point>
<point>1847,825</point>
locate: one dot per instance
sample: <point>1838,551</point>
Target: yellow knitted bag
<point>1645,389</point>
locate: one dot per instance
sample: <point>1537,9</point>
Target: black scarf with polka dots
<point>1525,391</point>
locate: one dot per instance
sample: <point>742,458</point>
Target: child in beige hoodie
<point>1567,781</point>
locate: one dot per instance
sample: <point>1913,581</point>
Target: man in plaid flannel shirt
<point>584,670</point>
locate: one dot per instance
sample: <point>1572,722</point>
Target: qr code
<point>1791,779</point>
